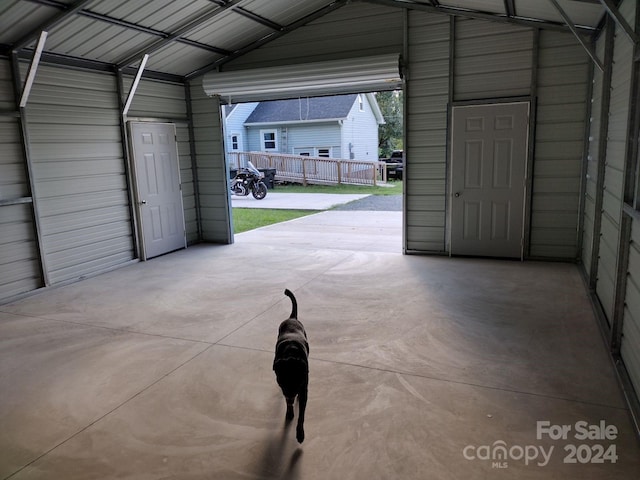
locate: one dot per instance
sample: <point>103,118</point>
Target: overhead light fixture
<point>352,75</point>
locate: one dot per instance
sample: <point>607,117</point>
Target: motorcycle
<point>247,180</point>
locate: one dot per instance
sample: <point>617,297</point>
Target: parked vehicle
<point>249,179</point>
<point>395,164</point>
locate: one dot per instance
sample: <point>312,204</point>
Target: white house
<point>341,126</point>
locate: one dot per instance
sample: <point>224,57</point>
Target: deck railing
<point>318,170</point>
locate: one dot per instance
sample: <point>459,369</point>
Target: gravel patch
<point>389,203</point>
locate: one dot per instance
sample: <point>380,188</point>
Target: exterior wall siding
<point>19,262</point>
<point>426,100</point>
<point>614,167</point>
<point>360,129</point>
<point>563,74</point>
<point>79,174</point>
<point>291,138</point>
<point>166,102</point>
<point>211,168</point>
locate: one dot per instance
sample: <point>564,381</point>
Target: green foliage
<point>390,134</point>
<point>391,188</point>
<point>245,219</point>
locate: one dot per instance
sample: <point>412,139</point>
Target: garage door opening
<point>336,155</point>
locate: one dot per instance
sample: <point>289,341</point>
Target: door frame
<point>137,204</point>
<point>529,161</point>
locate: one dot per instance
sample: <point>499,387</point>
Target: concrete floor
<point>421,367</point>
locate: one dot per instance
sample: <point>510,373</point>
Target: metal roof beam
<point>176,35</point>
<point>268,38</point>
<point>510,8</point>
<point>253,16</point>
<point>612,9</point>
<point>587,47</point>
<point>95,65</point>
<point>49,24</point>
<point>258,18</point>
<point>474,14</point>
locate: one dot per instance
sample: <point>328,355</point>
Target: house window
<point>361,103</point>
<point>269,140</point>
<point>324,152</point>
<point>235,142</point>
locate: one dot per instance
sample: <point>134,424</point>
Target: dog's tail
<point>294,303</point>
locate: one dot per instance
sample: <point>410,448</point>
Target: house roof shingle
<point>297,109</point>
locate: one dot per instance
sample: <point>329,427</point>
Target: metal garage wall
<point>630,338</point>
<point>166,102</point>
<point>19,262</point>
<point>355,30</point>
<point>562,91</point>
<point>211,169</point>
<point>492,60</point>
<point>592,200</point>
<point>630,345</point>
<point>427,96</point>
<point>615,159</point>
<point>79,174</point>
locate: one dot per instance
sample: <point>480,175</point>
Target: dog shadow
<point>277,462</point>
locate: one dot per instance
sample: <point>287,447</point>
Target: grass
<point>245,219</point>
<point>393,188</point>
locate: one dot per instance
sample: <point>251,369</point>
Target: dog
<point>291,365</point>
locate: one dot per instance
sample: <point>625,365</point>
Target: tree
<point>390,133</point>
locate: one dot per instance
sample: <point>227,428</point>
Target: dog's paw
<point>300,434</point>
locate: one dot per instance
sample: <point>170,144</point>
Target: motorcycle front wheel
<point>259,191</point>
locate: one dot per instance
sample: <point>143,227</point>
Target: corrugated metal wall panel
<point>427,96</point>
<point>491,60</point>
<point>13,182</point>
<point>163,101</point>
<point>630,346</point>
<point>19,261</point>
<point>593,158</point>
<point>563,74</point>
<point>7,102</point>
<point>616,147</point>
<point>79,172</point>
<point>355,30</point>
<point>212,171</point>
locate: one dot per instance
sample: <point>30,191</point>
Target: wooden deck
<point>314,170</point>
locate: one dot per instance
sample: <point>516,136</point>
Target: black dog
<point>291,364</point>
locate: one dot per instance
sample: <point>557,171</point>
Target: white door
<point>157,176</point>
<point>488,171</point>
